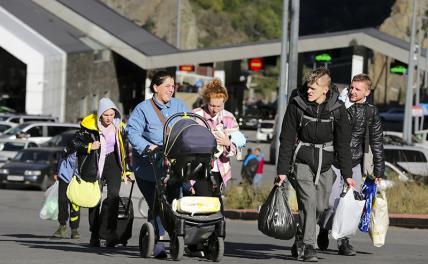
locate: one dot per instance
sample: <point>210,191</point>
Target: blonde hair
<point>214,89</point>
<point>316,74</point>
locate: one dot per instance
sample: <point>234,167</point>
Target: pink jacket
<point>229,124</point>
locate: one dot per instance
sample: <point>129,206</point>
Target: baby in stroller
<point>191,216</point>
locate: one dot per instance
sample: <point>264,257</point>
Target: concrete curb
<point>400,220</point>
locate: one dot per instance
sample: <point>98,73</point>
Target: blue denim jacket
<point>144,128</point>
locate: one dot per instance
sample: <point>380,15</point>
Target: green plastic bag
<point>49,209</point>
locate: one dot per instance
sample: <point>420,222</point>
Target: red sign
<point>255,64</point>
<point>186,68</point>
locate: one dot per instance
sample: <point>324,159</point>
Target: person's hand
<point>222,139</point>
<point>152,147</point>
<point>95,145</point>
<point>351,182</point>
<point>280,179</point>
<point>55,177</point>
<point>378,180</point>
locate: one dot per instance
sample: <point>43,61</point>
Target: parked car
<point>396,138</point>
<point>19,119</point>
<point>10,147</point>
<point>4,125</point>
<point>265,130</point>
<point>38,132</point>
<point>31,167</point>
<point>411,159</point>
<point>60,140</point>
<point>394,114</point>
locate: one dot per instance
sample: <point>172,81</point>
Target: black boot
<point>322,240</point>
<point>297,248</point>
<point>95,240</point>
<point>310,254</point>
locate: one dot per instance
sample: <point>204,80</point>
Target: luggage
<point>125,219</point>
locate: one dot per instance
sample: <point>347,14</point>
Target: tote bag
<point>83,193</point>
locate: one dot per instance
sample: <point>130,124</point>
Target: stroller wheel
<point>146,240</point>
<point>176,247</point>
<point>215,248</point>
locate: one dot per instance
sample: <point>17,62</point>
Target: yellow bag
<point>82,193</point>
<point>379,220</point>
<point>196,205</point>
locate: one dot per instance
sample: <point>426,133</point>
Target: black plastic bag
<point>275,217</point>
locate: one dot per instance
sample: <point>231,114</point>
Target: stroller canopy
<point>187,137</point>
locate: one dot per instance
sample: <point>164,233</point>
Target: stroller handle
<point>181,114</point>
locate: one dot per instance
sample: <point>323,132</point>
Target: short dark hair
<point>362,77</point>
<point>159,78</point>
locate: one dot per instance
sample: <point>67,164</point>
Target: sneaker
<point>61,232</point>
<point>95,241</point>
<point>322,239</point>
<point>310,254</point>
<point>346,249</point>
<point>75,234</point>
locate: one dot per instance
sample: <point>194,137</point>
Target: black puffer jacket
<point>359,115</point>
<point>315,132</point>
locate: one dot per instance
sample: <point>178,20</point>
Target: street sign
<point>255,64</point>
<point>417,111</point>
<point>399,69</point>
<point>186,68</point>
<point>323,57</point>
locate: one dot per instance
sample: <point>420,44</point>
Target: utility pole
<point>407,128</point>
<point>282,93</point>
<point>294,38</point>
<point>177,44</point>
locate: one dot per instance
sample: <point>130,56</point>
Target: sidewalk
<point>400,220</point>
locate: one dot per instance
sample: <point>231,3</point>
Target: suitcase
<point>125,219</point>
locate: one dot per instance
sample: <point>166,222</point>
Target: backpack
<point>67,167</point>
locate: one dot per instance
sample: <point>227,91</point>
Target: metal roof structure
<point>46,24</point>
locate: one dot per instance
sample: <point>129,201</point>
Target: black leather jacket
<point>360,114</point>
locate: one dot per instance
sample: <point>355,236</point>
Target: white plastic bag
<point>379,220</point>
<point>347,216</point>
<point>49,210</point>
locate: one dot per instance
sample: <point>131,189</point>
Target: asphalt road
<point>24,238</point>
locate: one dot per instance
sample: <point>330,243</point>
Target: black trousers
<point>64,205</point>
<point>112,177</point>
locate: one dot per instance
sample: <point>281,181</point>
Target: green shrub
<point>245,196</point>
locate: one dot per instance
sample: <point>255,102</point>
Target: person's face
<point>165,91</point>
<point>257,152</point>
<point>107,117</point>
<point>317,91</point>
<point>358,91</point>
<point>215,105</point>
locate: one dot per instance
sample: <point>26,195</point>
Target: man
<point>315,127</point>
<point>363,116</point>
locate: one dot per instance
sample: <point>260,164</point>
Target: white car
<point>38,132</point>
<point>265,130</point>
<point>5,125</point>
<point>411,159</point>
<point>10,147</point>
<point>396,138</point>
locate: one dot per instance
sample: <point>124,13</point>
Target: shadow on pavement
<point>256,251</point>
<point>69,245</point>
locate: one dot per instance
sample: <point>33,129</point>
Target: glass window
<point>56,130</point>
<point>11,146</point>
<point>33,156</point>
<point>36,131</point>
<point>412,156</point>
<point>392,155</point>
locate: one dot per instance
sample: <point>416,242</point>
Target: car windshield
<point>15,130</point>
<point>11,146</point>
<point>33,156</point>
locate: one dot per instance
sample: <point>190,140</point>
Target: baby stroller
<point>186,155</point>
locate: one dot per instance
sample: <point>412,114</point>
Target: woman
<point>222,124</point>
<point>101,155</point>
<point>145,132</point>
